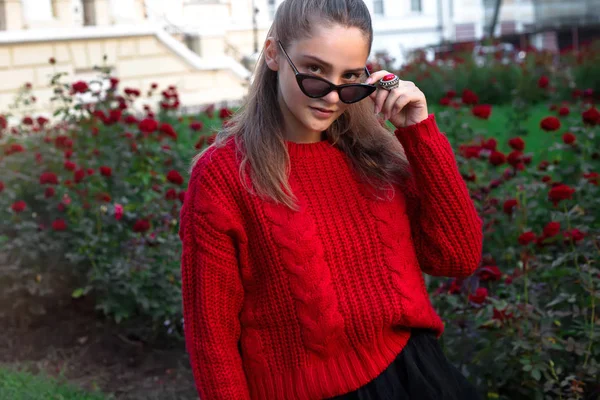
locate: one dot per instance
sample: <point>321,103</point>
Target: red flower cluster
<point>591,116</point>
<point>560,192</point>
<point>175,177</point>
<point>148,126</point>
<point>480,296</point>
<point>569,138</point>
<point>482,111</point>
<point>225,113</point>
<point>48,178</point>
<point>550,124</point>
<point>79,87</point>
<point>469,97</point>
<point>19,206</point>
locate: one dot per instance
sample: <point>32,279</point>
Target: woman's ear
<point>271,54</point>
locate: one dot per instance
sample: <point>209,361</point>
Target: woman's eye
<point>314,68</point>
<point>351,76</point>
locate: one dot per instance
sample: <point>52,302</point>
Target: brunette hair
<point>372,149</point>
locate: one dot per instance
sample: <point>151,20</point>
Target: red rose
<point>560,192</point>
<point>59,225</point>
<point>141,225</point>
<point>517,143</point>
<point>196,126</point>
<point>48,178</point>
<point>171,194</point>
<point>490,273</point>
<point>80,87</point>
<point>489,144</point>
<point>509,206</point>
<point>551,229</point>
<point>114,82</point>
<point>70,165</point>
<point>501,315</point>
<point>526,237</point>
<point>103,196</point>
<point>543,82</point>
<point>444,101</point>
<point>569,138</point>
<point>563,111</point>
<point>543,165</point>
<point>592,178</point>
<point>1,186</point>
<point>79,175</point>
<point>479,296</point>
<point>591,116</point>
<point>546,178</point>
<point>148,125</point>
<point>514,158</point>
<point>130,119</point>
<point>482,111</point>
<point>225,113</point>
<point>497,158</point>
<point>106,171</point>
<point>550,124</point>
<point>451,94</point>
<point>175,177</point>
<point>574,234</point>
<point>168,130</point>
<point>469,97</point>
<point>455,286</point>
<point>18,206</point>
<point>49,192</point>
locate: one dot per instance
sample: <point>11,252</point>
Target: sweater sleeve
<point>212,290</point>
<point>447,231</point>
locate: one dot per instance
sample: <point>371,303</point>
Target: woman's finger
<point>380,99</point>
<point>401,102</point>
<point>390,101</point>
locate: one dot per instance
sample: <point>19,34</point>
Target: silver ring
<point>389,84</point>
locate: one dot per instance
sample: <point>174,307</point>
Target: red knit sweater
<point>312,304</point>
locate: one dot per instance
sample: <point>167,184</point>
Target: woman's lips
<point>321,112</point>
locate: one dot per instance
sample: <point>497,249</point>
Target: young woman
<point>307,227</point>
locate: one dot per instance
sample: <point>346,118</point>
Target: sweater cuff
<point>409,135</point>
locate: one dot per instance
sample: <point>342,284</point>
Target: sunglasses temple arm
<point>288,58</point>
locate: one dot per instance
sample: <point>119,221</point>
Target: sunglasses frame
<point>300,77</point>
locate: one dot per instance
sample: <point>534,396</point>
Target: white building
<point>201,45</point>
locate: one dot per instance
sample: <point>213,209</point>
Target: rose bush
<point>525,325</point>
<point>103,185</point>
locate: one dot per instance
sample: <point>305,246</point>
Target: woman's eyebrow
<point>329,66</point>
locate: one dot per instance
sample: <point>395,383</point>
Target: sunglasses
<point>315,87</point>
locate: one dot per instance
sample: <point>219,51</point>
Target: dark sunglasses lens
<point>352,94</point>
<point>315,87</point>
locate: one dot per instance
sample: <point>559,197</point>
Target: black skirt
<point>421,371</point>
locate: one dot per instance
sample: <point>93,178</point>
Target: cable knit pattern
<point>310,304</point>
<point>309,278</point>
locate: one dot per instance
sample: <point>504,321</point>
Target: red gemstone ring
<point>389,82</point>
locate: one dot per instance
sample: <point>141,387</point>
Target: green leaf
<point>536,374</point>
<point>77,293</point>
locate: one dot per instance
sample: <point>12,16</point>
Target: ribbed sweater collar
<point>309,150</point>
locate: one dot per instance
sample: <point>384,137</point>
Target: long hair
<point>374,152</point>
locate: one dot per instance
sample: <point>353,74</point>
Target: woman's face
<point>336,53</point>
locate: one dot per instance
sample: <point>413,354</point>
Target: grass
<point>497,126</point>
<point>17,385</point>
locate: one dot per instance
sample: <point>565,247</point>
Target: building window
<point>378,7</point>
<point>416,6</point>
